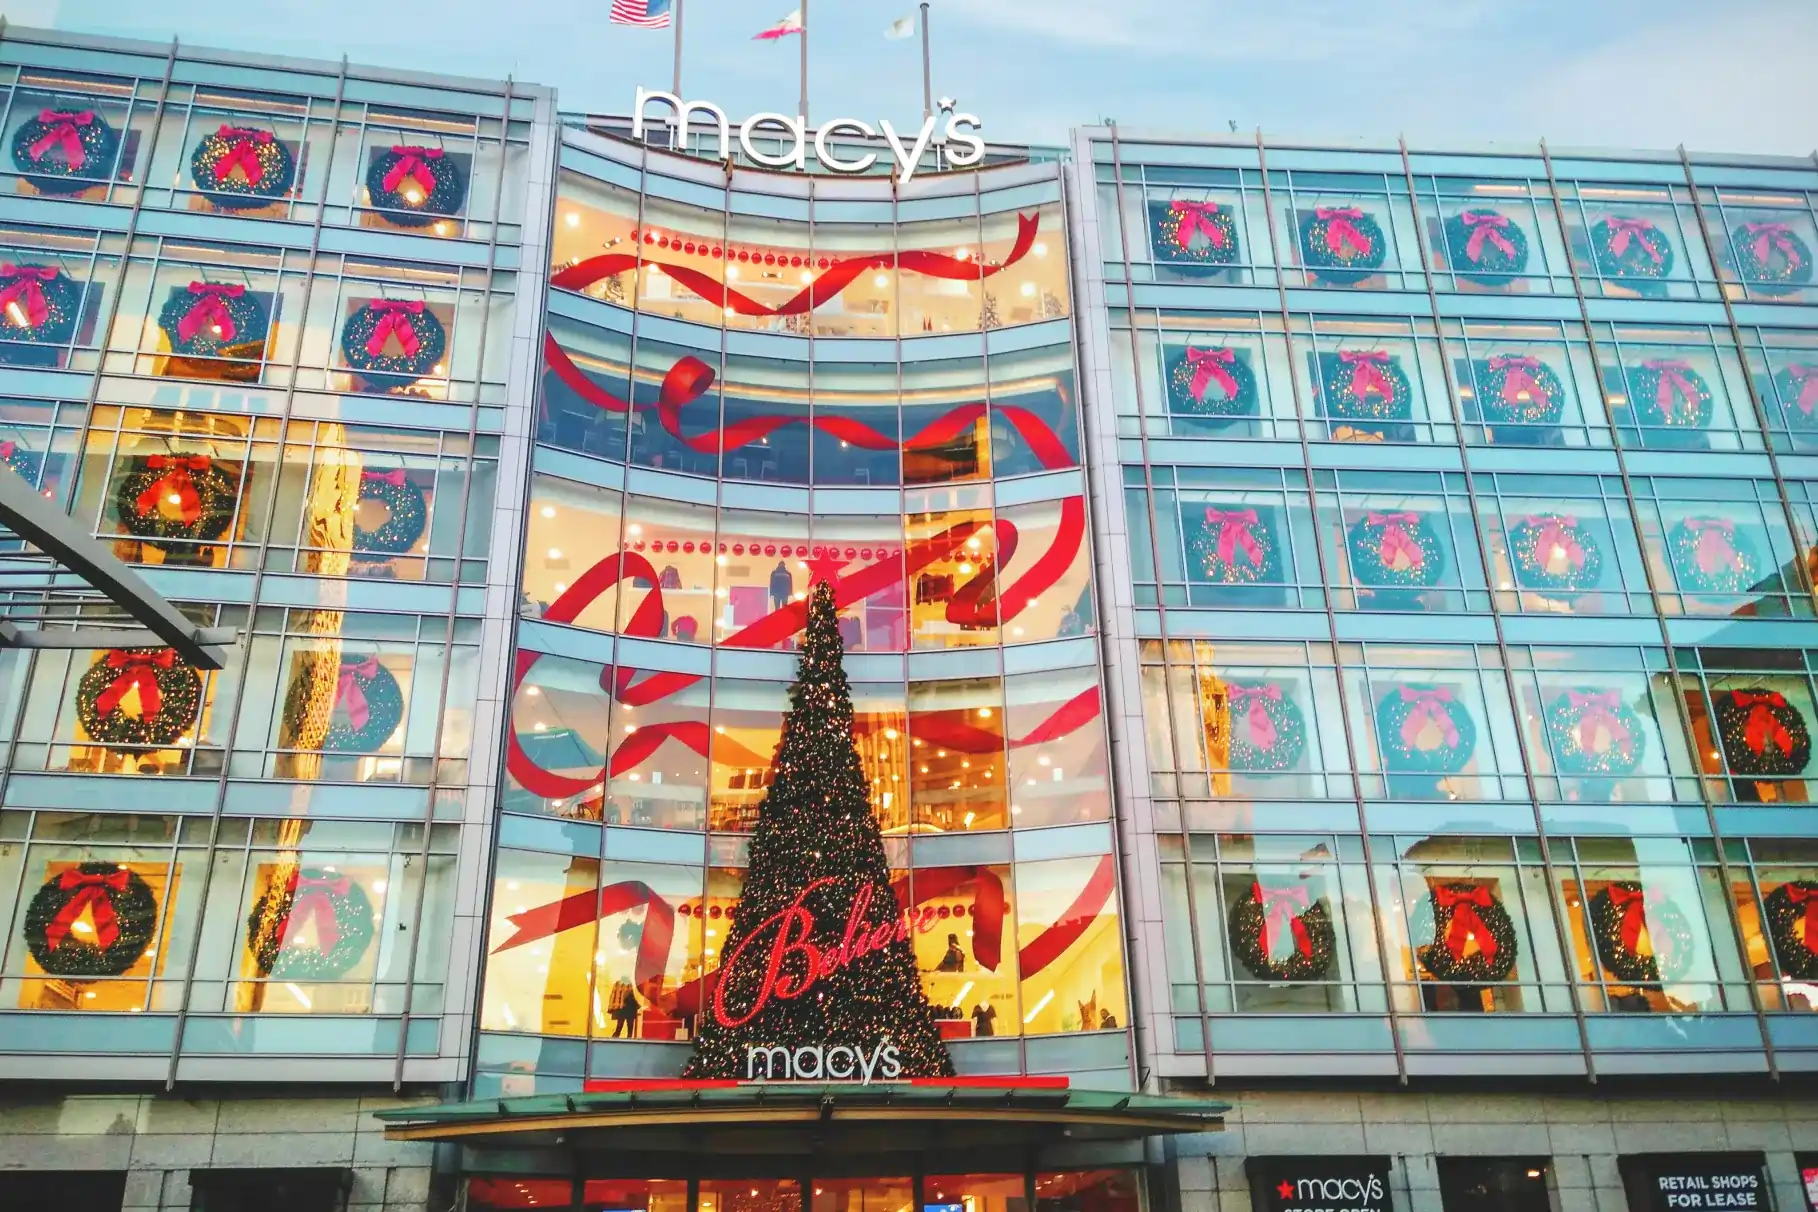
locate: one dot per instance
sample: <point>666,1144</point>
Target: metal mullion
<point>1326,588</point>
<point>1508,673</point>
<point>719,510</point>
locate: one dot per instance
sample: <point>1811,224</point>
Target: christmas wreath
<point>1395,551</point>
<point>65,151</point>
<point>1422,730</point>
<point>176,496</point>
<point>334,904</point>
<point>1595,732</point>
<point>1341,244</point>
<point>1797,387</point>
<point>1709,555</point>
<point>1233,547</point>
<point>1515,389</point>
<point>214,320</point>
<point>1192,233</point>
<point>28,463</point>
<point>1668,393</point>
<point>1763,735</point>
<point>1622,913</point>
<point>1792,926</point>
<point>1486,247</point>
<point>1770,257</point>
<point>406,512</point>
<point>169,695</point>
<point>241,167</point>
<point>1364,385</point>
<point>1283,934</point>
<point>416,185</point>
<point>1554,556</point>
<point>1631,250</point>
<point>119,903</point>
<point>367,709</point>
<point>1474,942</point>
<point>407,326</point>
<point>38,304</point>
<point>1194,372</point>
<point>1268,732</point>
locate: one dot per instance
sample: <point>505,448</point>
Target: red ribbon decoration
<point>1262,728</point>
<point>210,310</point>
<point>1673,386</point>
<point>138,669</point>
<point>62,133</point>
<point>1282,910</point>
<point>1365,377</point>
<point>1196,217</point>
<point>1486,227</point>
<point>243,155</point>
<point>1053,942</point>
<point>1518,377</point>
<point>94,889</point>
<point>989,905</point>
<point>1800,895</point>
<point>25,288</point>
<point>1599,711</point>
<point>395,477</point>
<point>547,921</point>
<point>7,448</point>
<point>1429,707</point>
<point>348,692</point>
<point>1395,538</point>
<point>832,281</point>
<point>1208,367</point>
<point>411,167</point>
<point>177,481</point>
<point>394,319</point>
<point>1236,532</point>
<point>1634,903</point>
<point>1466,926</point>
<point>1341,229</point>
<point>1641,231</point>
<point>312,897</point>
<point>1716,549</point>
<point>1555,531</point>
<point>1771,237</point>
<point>1763,726</point>
<point>1807,379</point>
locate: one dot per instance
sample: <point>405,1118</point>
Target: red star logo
<point>825,568</point>
<point>1285,1190</point>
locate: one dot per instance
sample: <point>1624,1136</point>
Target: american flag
<point>645,14</point>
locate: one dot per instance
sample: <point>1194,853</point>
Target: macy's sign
<point>964,148</point>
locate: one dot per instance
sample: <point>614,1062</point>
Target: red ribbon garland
<point>209,309</point>
<point>1556,531</point>
<point>1599,711</point>
<point>95,889</point>
<point>1771,237</point>
<point>1282,910</point>
<point>1486,227</point>
<point>1799,895</point>
<point>1341,229</point>
<point>394,320</point>
<point>1763,725</point>
<point>832,281</point>
<point>1236,532</point>
<point>411,167</point>
<point>1209,367</point>
<point>1673,386</point>
<point>1428,706</point>
<point>1716,548</point>
<point>1195,218</point>
<point>243,155</point>
<point>1262,729</point>
<point>135,669</point>
<point>1365,377</point>
<point>311,897</point>
<point>1622,231</point>
<point>62,133</point>
<point>1518,377</point>
<point>546,921</point>
<point>177,481</point>
<point>1466,926</point>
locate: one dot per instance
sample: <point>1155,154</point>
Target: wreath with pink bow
<point>1554,555</point>
<point>415,186</point>
<point>319,898</point>
<point>1341,245</point>
<point>1232,546</point>
<point>38,304</point>
<point>215,320</point>
<point>1216,384</point>
<point>1424,729</point>
<point>1187,233</point>
<point>1667,393</point>
<point>1631,250</point>
<point>1770,257</point>
<point>1712,555</point>
<point>65,151</point>
<point>391,343</point>
<point>1364,385</point>
<point>1796,386</point>
<point>240,167</point>
<point>1282,933</point>
<point>368,707</point>
<point>1268,733</point>
<point>1518,389</point>
<point>1593,732</point>
<point>1485,246</point>
<point>406,513</point>
<point>1395,549</point>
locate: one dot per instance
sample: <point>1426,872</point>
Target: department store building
<point>1328,632</point>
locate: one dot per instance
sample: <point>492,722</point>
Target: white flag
<point>902,27</point>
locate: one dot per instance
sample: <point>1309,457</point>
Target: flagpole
<point>927,75</point>
<point>804,60</point>
<point>675,81</point>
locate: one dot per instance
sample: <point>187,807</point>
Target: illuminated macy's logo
<point>818,1062</point>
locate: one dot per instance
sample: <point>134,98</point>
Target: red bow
<point>348,692</point>
<point>243,155</point>
<point>312,897</point>
<point>1365,375</point>
<point>1262,728</point>
<point>1634,904</point>
<point>1763,726</point>
<point>1554,534</point>
<point>1518,380</point>
<point>1341,230</point>
<point>1196,217</point>
<point>1716,550</point>
<point>139,668</point>
<point>1208,367</point>
<point>1282,909</point>
<point>7,448</point>
<point>1486,227</point>
<point>62,133</point>
<point>1640,230</point>
<point>1807,379</point>
<point>1673,386</point>
<point>1235,534</point>
<point>24,294</point>
<point>90,888</point>
<point>1771,236</point>
<point>178,481</point>
<point>394,318</point>
<point>1464,900</point>
<point>1395,538</point>
<point>410,167</point>
<point>1807,895</point>
<point>209,310</point>
<point>1599,711</point>
<point>1429,706</point>
<point>395,477</point>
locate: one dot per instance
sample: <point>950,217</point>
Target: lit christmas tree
<point>818,953</point>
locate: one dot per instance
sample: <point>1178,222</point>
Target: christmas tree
<point>819,950</point>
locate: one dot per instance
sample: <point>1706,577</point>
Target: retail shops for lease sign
<point>1696,1182</point>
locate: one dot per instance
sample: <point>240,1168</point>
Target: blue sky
<point>1610,73</point>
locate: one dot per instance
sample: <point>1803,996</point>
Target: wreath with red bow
<point>169,696</point>
<point>1485,246</point>
<point>406,513</point>
<point>415,186</point>
<point>1214,384</point>
<point>215,320</point>
<point>38,304</point>
<point>1595,732</point>
<point>1770,257</point>
<point>1283,934</point>
<point>119,903</point>
<point>1667,393</point>
<point>1183,232</point>
<point>176,496</point>
<point>1474,942</point>
<point>368,707</point>
<point>383,325</point>
<point>1232,546</point>
<point>1711,555</point>
<point>1623,914</point>
<point>239,167</point>
<point>1395,550</point>
<point>1792,923</point>
<point>1341,245</point>
<point>1517,389</point>
<point>28,463</point>
<point>1268,733</point>
<point>1554,555</point>
<point>1364,385</point>
<point>1763,735</point>
<point>65,151</point>
<point>334,904</point>
<point>1424,729</point>
<point>1630,250</point>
